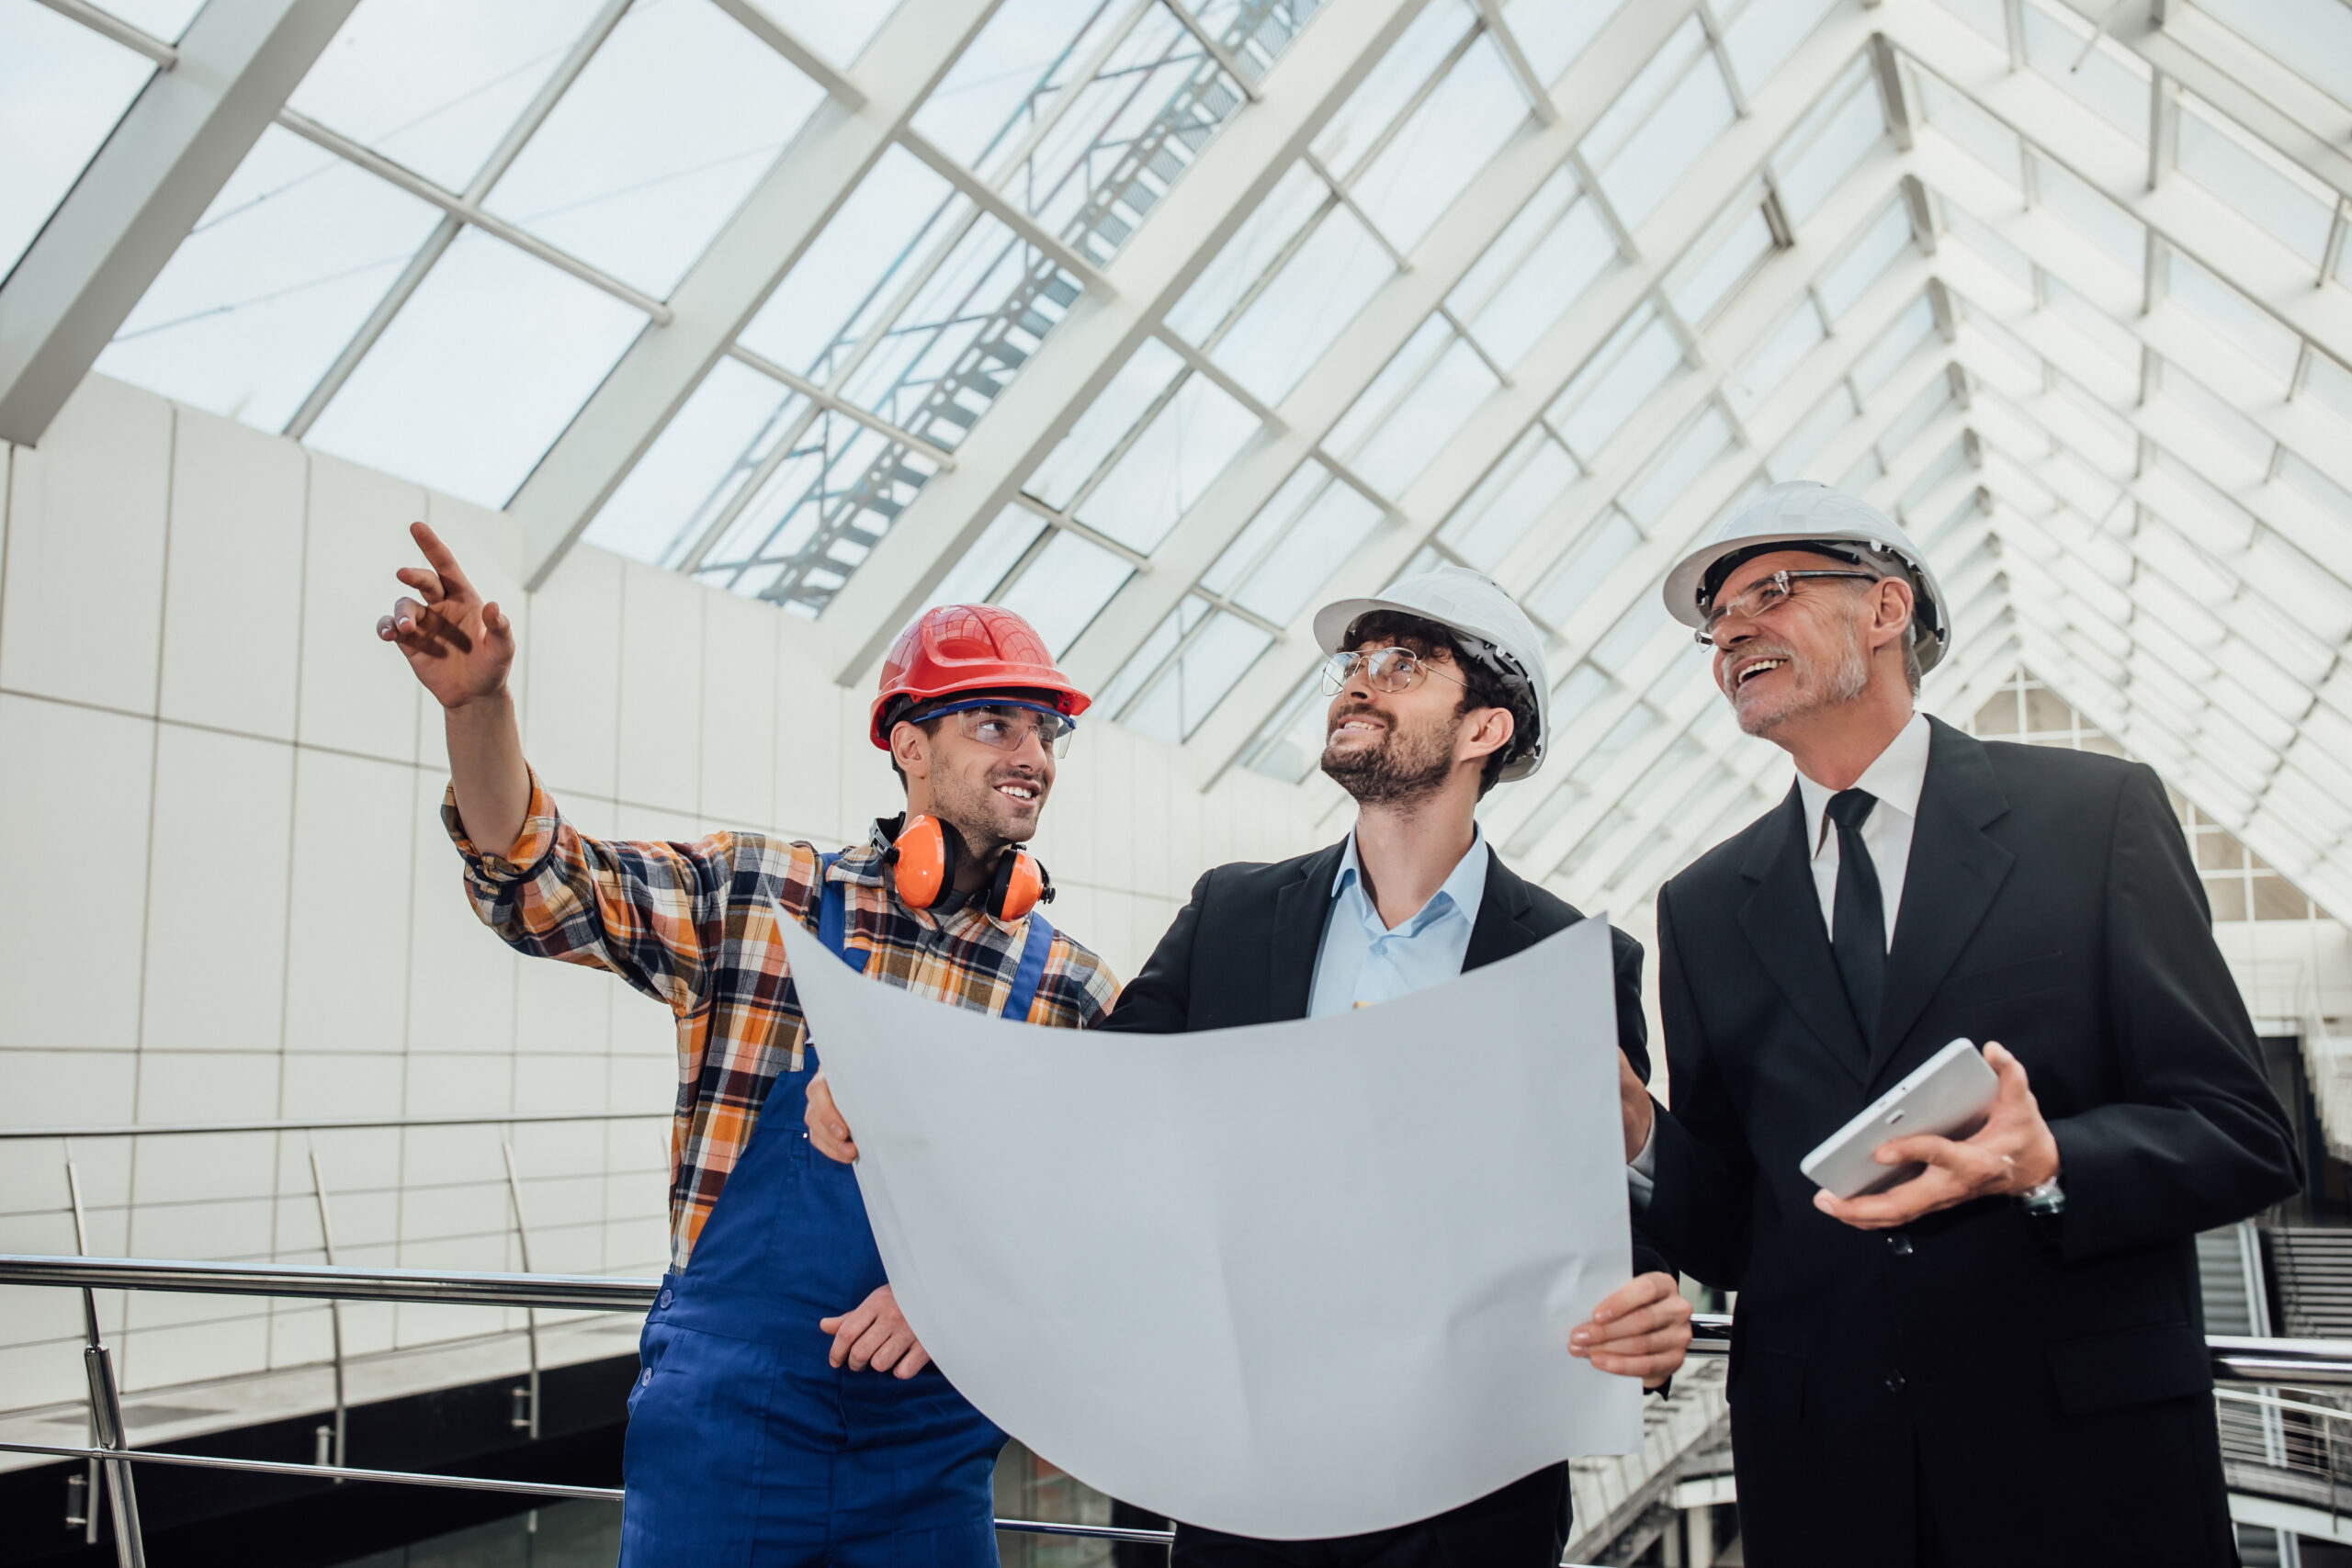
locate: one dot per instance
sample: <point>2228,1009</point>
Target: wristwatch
<point>2044,1200</point>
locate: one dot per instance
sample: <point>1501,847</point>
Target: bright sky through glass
<point>1552,285</point>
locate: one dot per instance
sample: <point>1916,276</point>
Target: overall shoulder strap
<point>1032,967</point>
<point>832,916</point>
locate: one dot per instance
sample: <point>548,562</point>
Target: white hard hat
<point>1487,623</point>
<point>1809,515</point>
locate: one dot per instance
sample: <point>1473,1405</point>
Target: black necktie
<point>1857,935</point>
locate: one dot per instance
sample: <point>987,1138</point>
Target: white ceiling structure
<point>1164,325</point>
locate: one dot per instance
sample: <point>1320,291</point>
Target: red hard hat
<point>968,647</point>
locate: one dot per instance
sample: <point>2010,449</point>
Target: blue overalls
<point>745,1445</point>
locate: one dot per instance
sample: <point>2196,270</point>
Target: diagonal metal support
<point>1191,223</point>
<point>788,210</point>
<point>177,146</point>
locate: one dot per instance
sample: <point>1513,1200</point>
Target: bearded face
<point>1384,757</point>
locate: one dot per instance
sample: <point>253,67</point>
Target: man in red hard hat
<point>784,1413</point>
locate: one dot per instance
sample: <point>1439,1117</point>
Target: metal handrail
<point>2235,1359</point>
<point>345,1124</point>
<point>582,1292</point>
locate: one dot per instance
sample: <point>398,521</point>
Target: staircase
<point>939,406</point>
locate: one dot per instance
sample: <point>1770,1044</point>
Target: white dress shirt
<point>1364,959</point>
<point>1896,776</point>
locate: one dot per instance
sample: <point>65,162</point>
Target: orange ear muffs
<point>1020,885</point>
<point>923,862</point>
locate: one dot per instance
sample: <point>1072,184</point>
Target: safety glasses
<point>1761,597</point>
<point>1384,670</point>
<point>1007,727</point>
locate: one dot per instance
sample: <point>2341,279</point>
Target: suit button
<point>1899,1245</point>
<point>1894,1382</point>
<point>666,1299</point>
<point>645,1378</point>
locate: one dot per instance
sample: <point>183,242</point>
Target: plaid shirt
<point>690,925</point>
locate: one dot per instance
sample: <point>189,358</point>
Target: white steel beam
<point>168,157</point>
<point>1717,177</point>
<point>1185,231</point>
<point>801,190</point>
<point>815,66</point>
<point>102,21</point>
<point>2238,77</point>
<point>1325,393</point>
<point>2185,217</point>
<point>445,233</point>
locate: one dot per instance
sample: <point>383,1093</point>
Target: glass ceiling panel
<point>435,84</point>
<point>843,284</point>
<point>2280,199</point>
<point>62,87</point>
<point>479,373</point>
<point>2116,466</point>
<point>1456,129</point>
<point>657,143</point>
<point>837,30</point>
<point>272,282</point>
<point>2313,37</point>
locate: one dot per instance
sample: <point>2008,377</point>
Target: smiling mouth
<point>1750,672</point>
<point>1359,724</point>
<point>1025,793</point>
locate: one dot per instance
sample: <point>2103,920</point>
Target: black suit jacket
<point>2044,1382</point>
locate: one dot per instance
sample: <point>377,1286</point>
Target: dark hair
<point>1482,685</point>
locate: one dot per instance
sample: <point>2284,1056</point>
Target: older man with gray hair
<point>1998,1358</point>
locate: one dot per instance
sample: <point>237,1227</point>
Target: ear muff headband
<point>923,867</point>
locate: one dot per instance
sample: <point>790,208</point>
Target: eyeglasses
<point>1761,597</point>
<point>1384,670</point>
<point>1007,727</point>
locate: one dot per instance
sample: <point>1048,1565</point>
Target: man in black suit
<point>2000,1360</point>
<point>1438,691</point>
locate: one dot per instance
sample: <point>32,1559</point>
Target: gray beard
<point>1401,771</point>
<point>1840,683</point>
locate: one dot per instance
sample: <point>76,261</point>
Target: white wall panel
<point>357,693</point>
<point>233,595</point>
<point>347,980</point>
<point>216,899</point>
<point>740,661</point>
<point>208,1086</point>
<point>85,582</point>
<point>73,786</point>
<point>660,751</point>
<point>570,729</point>
<point>460,976</point>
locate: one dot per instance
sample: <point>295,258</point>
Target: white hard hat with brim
<point>1804,514</point>
<point>1479,613</point>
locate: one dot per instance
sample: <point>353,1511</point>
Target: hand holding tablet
<point>1945,1096</point>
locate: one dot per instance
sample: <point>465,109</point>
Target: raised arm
<point>460,647</point>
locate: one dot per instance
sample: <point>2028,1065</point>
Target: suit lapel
<point>1301,910</point>
<point>1502,929</point>
<point>1783,919</point>
<point>1954,872</point>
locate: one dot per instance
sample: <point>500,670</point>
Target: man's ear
<point>910,749</point>
<point>1492,733</point>
<point>1891,614</point>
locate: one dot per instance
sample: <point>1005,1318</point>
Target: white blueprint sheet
<point>1292,1280</point>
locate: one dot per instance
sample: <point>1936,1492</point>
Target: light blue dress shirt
<point>1362,960</point>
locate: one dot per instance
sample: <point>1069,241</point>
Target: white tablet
<point>1946,1094</point>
